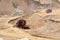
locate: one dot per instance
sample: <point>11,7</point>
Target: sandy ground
<point>41,28</point>
<point>8,32</point>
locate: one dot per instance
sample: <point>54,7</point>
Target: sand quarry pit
<point>43,25</point>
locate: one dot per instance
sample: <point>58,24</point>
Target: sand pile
<point>36,19</point>
<point>48,26</point>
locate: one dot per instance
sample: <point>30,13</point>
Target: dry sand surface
<point>47,26</point>
<point>8,32</point>
<point>43,26</point>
